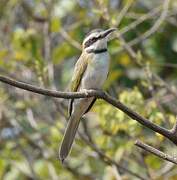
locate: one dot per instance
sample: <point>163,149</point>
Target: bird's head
<point>97,39</point>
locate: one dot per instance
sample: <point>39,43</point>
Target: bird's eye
<point>94,39</point>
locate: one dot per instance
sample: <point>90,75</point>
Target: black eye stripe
<point>91,41</point>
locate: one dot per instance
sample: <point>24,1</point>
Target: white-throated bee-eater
<point>90,72</point>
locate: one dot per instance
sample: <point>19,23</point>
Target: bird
<point>90,72</point>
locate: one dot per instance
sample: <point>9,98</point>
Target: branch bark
<point>156,152</point>
<point>98,94</point>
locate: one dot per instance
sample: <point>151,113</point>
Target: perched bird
<point>90,72</point>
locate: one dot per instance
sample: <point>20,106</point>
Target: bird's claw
<point>85,91</point>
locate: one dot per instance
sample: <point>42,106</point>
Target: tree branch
<point>156,152</point>
<point>98,94</point>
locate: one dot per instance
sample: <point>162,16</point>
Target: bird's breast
<point>96,72</point>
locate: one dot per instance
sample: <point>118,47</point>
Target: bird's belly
<point>96,73</point>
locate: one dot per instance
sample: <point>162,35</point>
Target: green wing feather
<point>79,70</point>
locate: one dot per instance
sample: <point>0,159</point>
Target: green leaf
<point>55,24</point>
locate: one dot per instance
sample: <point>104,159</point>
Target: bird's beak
<point>107,32</point>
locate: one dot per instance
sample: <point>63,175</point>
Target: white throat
<point>96,72</point>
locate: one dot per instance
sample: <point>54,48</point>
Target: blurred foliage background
<point>40,42</point>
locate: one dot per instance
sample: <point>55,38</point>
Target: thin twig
<point>68,38</point>
<point>123,12</point>
<point>154,28</point>
<point>134,24</point>
<point>156,152</point>
<point>164,170</point>
<point>166,85</point>
<point>168,65</point>
<point>107,159</point>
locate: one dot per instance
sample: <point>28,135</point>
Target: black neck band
<point>97,51</point>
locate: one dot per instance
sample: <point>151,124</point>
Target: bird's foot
<point>85,91</point>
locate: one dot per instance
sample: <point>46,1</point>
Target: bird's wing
<point>79,70</point>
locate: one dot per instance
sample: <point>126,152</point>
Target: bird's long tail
<point>69,136</point>
<point>80,107</point>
